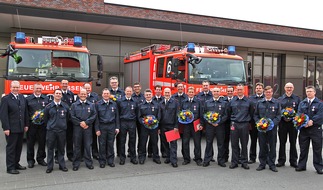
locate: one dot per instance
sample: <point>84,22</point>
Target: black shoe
<point>49,171</point>
<point>185,162</point>
<point>121,162</point>
<point>319,172</point>
<point>20,167</point>
<point>167,161</point>
<point>63,169</point>
<point>112,165</point>
<point>245,166</point>
<point>90,167</point>
<point>157,161</point>
<point>102,165</point>
<point>13,172</point>
<point>232,166</point>
<point>174,165</point>
<point>293,165</point>
<point>274,169</point>
<point>222,165</point>
<point>135,162</point>
<point>164,156</point>
<point>300,169</point>
<point>42,163</point>
<point>75,168</point>
<point>206,164</point>
<point>251,161</point>
<point>212,160</point>
<point>31,164</point>
<point>261,168</point>
<point>56,161</point>
<point>280,164</point>
<point>199,163</point>
<point>150,155</point>
<point>141,162</point>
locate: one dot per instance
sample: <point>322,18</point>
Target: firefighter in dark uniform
<point>68,98</point>
<point>169,110</point>
<point>118,94</point>
<point>227,98</point>
<point>203,96</point>
<point>128,116</point>
<point>148,107</point>
<point>106,126</point>
<point>83,115</point>
<point>253,132</point>
<point>139,98</point>
<point>180,95</point>
<point>268,108</point>
<point>312,107</point>
<point>287,127</point>
<point>158,98</point>
<point>192,104</point>
<point>56,116</point>
<point>14,119</point>
<point>240,110</point>
<point>211,130</point>
<point>36,102</point>
<point>92,97</point>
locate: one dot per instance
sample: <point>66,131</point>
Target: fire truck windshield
<point>217,71</point>
<point>49,65</point>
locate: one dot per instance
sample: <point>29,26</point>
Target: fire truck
<point>48,61</point>
<point>161,64</point>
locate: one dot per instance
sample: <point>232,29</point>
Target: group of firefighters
<point>89,127</point>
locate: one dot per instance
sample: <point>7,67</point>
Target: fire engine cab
<point>164,65</point>
<point>48,61</point>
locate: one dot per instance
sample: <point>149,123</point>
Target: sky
<point>302,14</point>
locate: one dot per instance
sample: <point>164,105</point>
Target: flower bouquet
<point>38,117</point>
<point>185,116</point>
<point>300,120</point>
<point>288,113</point>
<point>150,122</point>
<point>115,97</point>
<point>264,125</point>
<point>212,117</point>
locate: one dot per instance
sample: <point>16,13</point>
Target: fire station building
<point>278,54</point>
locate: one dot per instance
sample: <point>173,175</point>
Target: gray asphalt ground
<point>152,176</point>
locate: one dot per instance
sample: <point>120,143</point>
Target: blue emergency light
<point>77,41</point>
<point>191,47</point>
<point>20,37</point>
<point>231,50</point>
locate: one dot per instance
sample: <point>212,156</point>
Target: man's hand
<point>7,132</point>
<point>310,123</point>
<point>117,131</point>
<point>200,128</point>
<point>83,124</point>
<point>26,128</point>
<point>98,133</point>
<point>215,125</point>
<point>176,130</point>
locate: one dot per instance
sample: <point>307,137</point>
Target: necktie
<point>309,102</point>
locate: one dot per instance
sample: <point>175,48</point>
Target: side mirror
<point>193,59</point>
<point>249,71</point>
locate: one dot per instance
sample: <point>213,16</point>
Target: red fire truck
<point>48,61</point>
<point>164,65</point>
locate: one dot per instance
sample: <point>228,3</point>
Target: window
<point>160,67</point>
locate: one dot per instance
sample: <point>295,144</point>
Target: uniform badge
<point>219,107</point>
<point>294,104</point>
<point>43,104</point>
<point>71,100</point>
<point>313,108</point>
<point>232,128</point>
<point>273,108</point>
<point>132,106</point>
<point>112,109</point>
<point>152,108</point>
<point>88,109</point>
<point>62,112</point>
<point>194,108</point>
